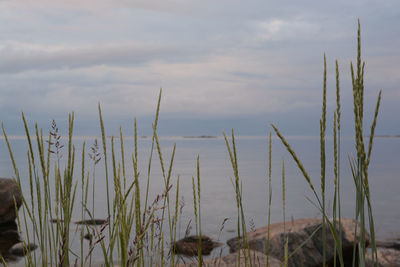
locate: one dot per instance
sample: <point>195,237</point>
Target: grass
<point>142,234</point>
<point>359,165</point>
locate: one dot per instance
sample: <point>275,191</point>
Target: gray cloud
<point>16,57</point>
<point>214,59</point>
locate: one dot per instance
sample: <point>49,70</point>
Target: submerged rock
<point>92,222</point>
<point>56,221</point>
<point>189,245</point>
<point>21,249</point>
<point>88,236</point>
<point>391,243</point>
<point>298,231</point>
<point>8,193</point>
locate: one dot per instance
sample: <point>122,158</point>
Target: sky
<point>221,64</point>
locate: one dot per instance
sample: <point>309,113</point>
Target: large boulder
<point>8,193</point>
<point>297,232</point>
<point>11,246</point>
<point>258,259</point>
<point>387,257</point>
<point>388,254</point>
<point>9,236</point>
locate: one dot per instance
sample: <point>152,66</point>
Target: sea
<point>217,192</point>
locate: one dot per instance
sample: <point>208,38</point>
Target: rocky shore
<point>8,194</point>
<point>304,238</point>
<point>308,254</point>
<point>11,245</point>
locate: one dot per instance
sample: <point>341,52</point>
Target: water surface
<point>217,192</point>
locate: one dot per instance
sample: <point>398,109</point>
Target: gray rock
<point>297,232</point>
<point>21,249</point>
<point>391,243</point>
<point>92,222</point>
<point>8,192</point>
<point>9,236</point>
<point>387,257</point>
<point>232,260</point>
<point>189,246</point>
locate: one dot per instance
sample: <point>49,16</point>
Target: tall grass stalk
<point>53,243</point>
<point>286,247</point>
<point>103,138</point>
<point>166,178</point>
<point>241,222</point>
<point>200,254</point>
<point>269,193</point>
<point>195,206</point>
<point>337,217</point>
<point>298,162</point>
<point>124,208</point>
<point>67,191</point>
<point>175,221</point>
<point>154,126</point>
<point>84,199</point>
<point>323,165</point>
<point>361,164</point>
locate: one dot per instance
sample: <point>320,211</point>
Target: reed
<point>175,220</point>
<point>269,192</point>
<point>123,201</point>
<point>53,243</point>
<point>195,206</point>
<point>200,255</point>
<point>359,166</point>
<point>336,210</point>
<point>286,247</point>
<point>323,165</point>
<point>241,222</point>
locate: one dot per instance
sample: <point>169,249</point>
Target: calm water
<point>217,192</point>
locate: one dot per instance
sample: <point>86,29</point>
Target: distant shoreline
<point>200,136</point>
<point>387,136</point>
<point>23,137</point>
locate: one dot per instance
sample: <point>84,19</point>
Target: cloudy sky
<point>221,64</point>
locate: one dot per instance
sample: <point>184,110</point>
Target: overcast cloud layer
<point>221,64</point>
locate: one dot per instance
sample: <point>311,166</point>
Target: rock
<point>8,191</point>
<point>231,260</point>
<point>9,231</point>
<point>189,245</point>
<point>9,236</point>
<point>56,221</point>
<point>21,249</point>
<point>11,247</point>
<point>92,222</point>
<point>387,257</point>
<point>391,243</point>
<point>88,236</point>
<point>297,232</point>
